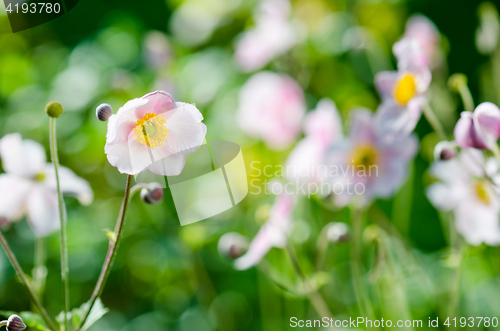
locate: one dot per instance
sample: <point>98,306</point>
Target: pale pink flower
<point>402,91</point>
<point>155,133</point>
<point>28,186</point>
<point>425,32</point>
<point>473,199</point>
<point>368,164</point>
<point>480,129</point>
<point>271,107</point>
<point>274,233</point>
<point>322,127</point>
<point>272,35</point>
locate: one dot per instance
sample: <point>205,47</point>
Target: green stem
<point>39,270</point>
<point>24,280</point>
<point>316,299</point>
<point>112,251</point>
<point>434,121</point>
<point>457,248</point>
<point>357,265</point>
<point>496,151</point>
<point>63,237</point>
<point>466,96</point>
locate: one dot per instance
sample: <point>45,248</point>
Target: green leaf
<point>75,316</point>
<point>31,320</point>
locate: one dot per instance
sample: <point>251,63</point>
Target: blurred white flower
<point>402,91</point>
<point>271,107</point>
<point>274,233</point>
<point>322,127</point>
<point>153,132</point>
<point>473,199</point>
<point>28,186</point>
<point>157,49</point>
<point>368,165</point>
<point>272,35</point>
<point>425,32</point>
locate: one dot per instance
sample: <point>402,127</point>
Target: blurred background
<point>168,277</point>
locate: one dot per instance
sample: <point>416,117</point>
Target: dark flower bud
<point>232,245</point>
<point>444,150</point>
<point>337,232</point>
<point>152,194</point>
<point>53,109</point>
<point>103,112</point>
<point>15,323</point>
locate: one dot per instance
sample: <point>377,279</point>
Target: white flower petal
<point>43,212</point>
<point>70,183</point>
<point>13,194</point>
<point>24,158</point>
<point>171,165</point>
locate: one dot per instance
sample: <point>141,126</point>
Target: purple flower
<point>480,129</point>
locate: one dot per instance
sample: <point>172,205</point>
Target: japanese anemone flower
<point>473,199</point>
<point>155,133</point>
<point>402,91</point>
<point>367,165</point>
<point>274,233</point>
<point>28,186</point>
<point>271,107</point>
<point>322,127</point>
<point>480,129</point>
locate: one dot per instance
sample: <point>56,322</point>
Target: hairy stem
<point>26,283</point>
<point>112,251</point>
<point>63,237</point>
<point>315,297</point>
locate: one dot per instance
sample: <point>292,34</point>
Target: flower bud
<point>444,150</point>
<point>457,80</point>
<point>153,194</point>
<point>232,245</point>
<point>103,112</point>
<point>337,232</point>
<point>15,323</point>
<point>53,109</point>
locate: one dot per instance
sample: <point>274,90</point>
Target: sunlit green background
<point>168,277</point>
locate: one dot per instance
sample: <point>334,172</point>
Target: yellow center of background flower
<point>364,155</point>
<point>151,130</point>
<point>482,192</point>
<point>405,89</point>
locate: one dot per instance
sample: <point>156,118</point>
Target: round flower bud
<point>103,112</point>
<point>53,109</point>
<point>337,232</point>
<point>153,194</point>
<point>457,80</point>
<point>444,150</point>
<point>15,323</point>
<point>232,245</point>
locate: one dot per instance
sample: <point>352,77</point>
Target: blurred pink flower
<point>28,186</point>
<point>322,127</point>
<point>480,129</point>
<point>403,91</point>
<point>425,32</point>
<point>157,50</point>
<point>465,191</point>
<point>272,35</point>
<point>271,107</point>
<point>155,133</point>
<point>368,164</point>
<point>274,233</point>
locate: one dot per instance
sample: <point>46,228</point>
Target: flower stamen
<point>151,130</point>
<point>405,89</point>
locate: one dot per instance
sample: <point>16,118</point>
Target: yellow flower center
<point>481,191</point>
<point>151,130</point>
<point>364,155</point>
<point>40,177</point>
<point>405,89</point>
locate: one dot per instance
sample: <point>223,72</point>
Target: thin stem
<point>112,251</point>
<point>316,299</point>
<point>63,238</point>
<point>357,265</point>
<point>39,269</point>
<point>466,96</point>
<point>496,151</point>
<point>24,280</point>
<point>434,121</point>
<point>457,248</point>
